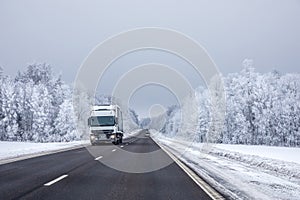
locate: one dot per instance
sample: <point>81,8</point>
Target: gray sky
<point>62,33</point>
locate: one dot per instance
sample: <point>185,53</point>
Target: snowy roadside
<point>240,171</point>
<point>13,151</point>
<point>133,133</point>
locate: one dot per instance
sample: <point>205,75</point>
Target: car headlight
<point>92,137</point>
<point>112,136</point>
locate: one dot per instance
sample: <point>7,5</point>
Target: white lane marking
<point>113,150</point>
<point>98,158</point>
<point>122,146</point>
<point>56,180</point>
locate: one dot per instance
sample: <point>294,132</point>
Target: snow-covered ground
<point>11,151</point>
<point>18,150</point>
<point>240,171</point>
<point>288,154</point>
<point>132,133</point>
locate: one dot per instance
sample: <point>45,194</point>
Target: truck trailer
<point>106,124</point>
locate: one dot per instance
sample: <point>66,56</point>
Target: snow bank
<point>18,150</point>
<point>289,154</point>
<point>240,171</point>
<point>11,150</point>
<point>280,160</point>
<point>132,133</point>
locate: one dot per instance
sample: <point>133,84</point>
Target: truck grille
<point>102,131</point>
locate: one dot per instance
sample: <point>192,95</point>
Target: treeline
<point>36,106</point>
<point>261,109</point>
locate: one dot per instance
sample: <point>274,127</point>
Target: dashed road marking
<point>122,146</point>
<point>56,180</point>
<point>113,150</point>
<point>98,158</point>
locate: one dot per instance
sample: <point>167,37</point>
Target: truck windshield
<point>102,121</point>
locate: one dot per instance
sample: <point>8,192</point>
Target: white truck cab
<point>106,124</point>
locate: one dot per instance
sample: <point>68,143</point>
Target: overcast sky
<point>62,33</point>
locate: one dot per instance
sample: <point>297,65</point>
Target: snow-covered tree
<point>65,123</point>
<point>2,87</point>
<point>172,121</point>
<point>261,109</point>
<point>134,116</point>
<point>41,108</point>
<point>9,109</point>
<point>31,103</point>
<point>144,122</point>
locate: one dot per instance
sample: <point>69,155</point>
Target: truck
<point>106,124</point>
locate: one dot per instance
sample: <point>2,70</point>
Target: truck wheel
<point>116,142</point>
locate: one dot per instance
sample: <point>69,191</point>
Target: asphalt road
<point>75,174</point>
